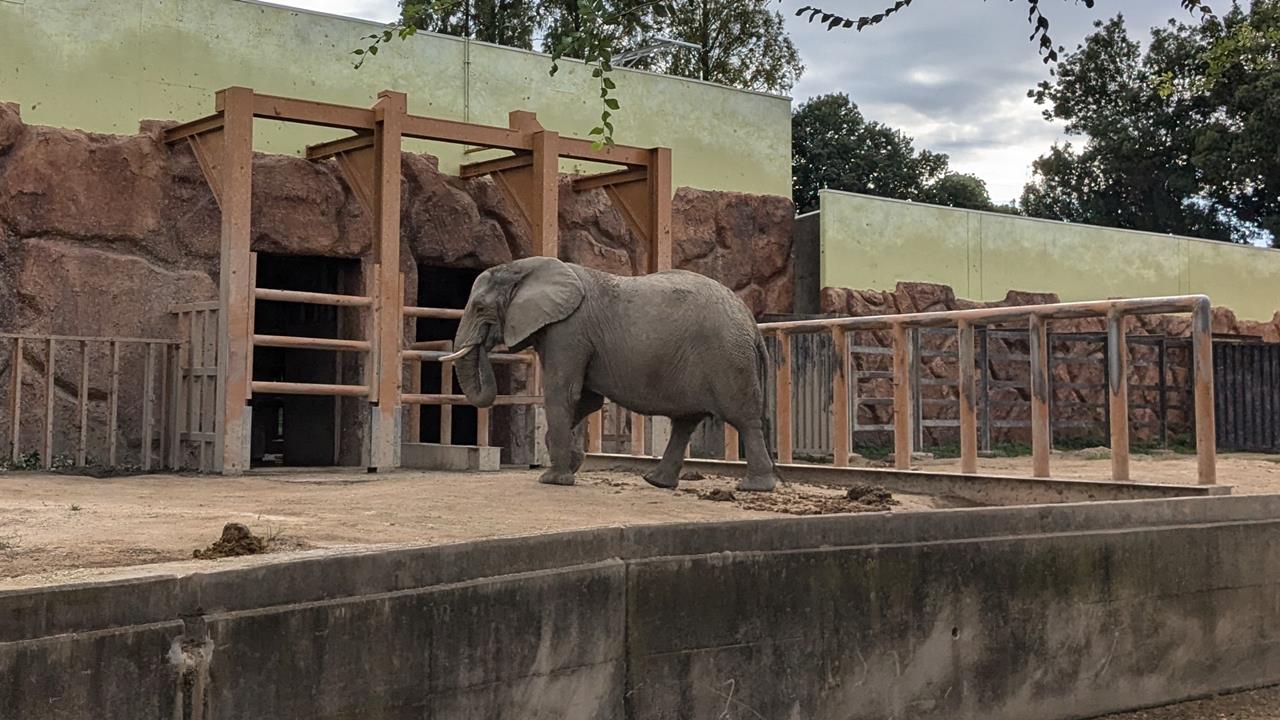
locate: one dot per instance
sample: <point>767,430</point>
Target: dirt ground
<point>1247,473</point>
<point>53,526</point>
<point>1261,704</point>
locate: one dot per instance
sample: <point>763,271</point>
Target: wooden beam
<point>263,387</point>
<point>453,131</point>
<point>544,206</point>
<point>619,177</point>
<point>323,150</point>
<point>193,128</point>
<point>389,300</point>
<point>113,404</point>
<point>901,399</point>
<point>357,167</point>
<point>578,149</point>
<point>208,149</point>
<point>148,404</point>
<point>484,167</point>
<point>783,399</point>
<point>1202,363</point>
<point>1041,429</point>
<point>730,443</point>
<point>239,105</point>
<point>15,403</point>
<point>659,220</point>
<point>49,393</point>
<point>840,398</point>
<point>82,405</point>
<point>968,400</point>
<point>1118,395</point>
<point>595,431</point>
<point>306,112</point>
<point>637,434</point>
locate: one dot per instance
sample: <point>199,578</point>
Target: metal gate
<point>1246,378</point>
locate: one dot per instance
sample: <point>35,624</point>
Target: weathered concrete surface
<point>1060,611</point>
<point>978,489</point>
<point>433,456</point>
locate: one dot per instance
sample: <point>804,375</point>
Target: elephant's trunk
<point>475,374</point>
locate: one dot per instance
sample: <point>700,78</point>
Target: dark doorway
<point>440,287</point>
<point>301,430</point>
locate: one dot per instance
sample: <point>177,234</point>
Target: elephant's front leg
<point>565,411</point>
<point>667,474</point>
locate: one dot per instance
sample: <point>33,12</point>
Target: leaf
<point>596,131</point>
<point>357,52</point>
<point>609,84</point>
<point>611,103</point>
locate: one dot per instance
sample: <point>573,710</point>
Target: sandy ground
<point>51,524</point>
<point>1256,705</point>
<point>1247,473</point>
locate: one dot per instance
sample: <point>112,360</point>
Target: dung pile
<point>236,540</point>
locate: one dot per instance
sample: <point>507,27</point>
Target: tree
<point>834,146</point>
<point>743,43</point>
<point>502,22</point>
<point>959,190</point>
<point>1178,139</point>
<point>1035,16</point>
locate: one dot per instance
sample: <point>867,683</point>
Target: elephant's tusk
<point>457,355</point>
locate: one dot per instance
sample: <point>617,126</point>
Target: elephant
<point>672,343</point>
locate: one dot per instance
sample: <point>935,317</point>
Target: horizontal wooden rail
<point>312,298</point>
<point>296,388</point>
<point>417,399</point>
<point>86,338</point>
<point>435,313</point>
<point>311,112</point>
<point>435,355</point>
<point>309,343</point>
<point>195,127</point>
<point>979,316</point>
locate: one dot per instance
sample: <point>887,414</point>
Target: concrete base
<point>1052,612</point>
<point>430,456</point>
<point>978,489</point>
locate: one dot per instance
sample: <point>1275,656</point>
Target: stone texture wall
<point>1075,404</point>
<point>101,234</point>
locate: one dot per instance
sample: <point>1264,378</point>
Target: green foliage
<point>743,43</point>
<point>1179,138</point>
<point>1035,16</point>
<point>834,146</point>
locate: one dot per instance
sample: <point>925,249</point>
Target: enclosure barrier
<point>369,161</point>
<point>433,351</point>
<point>1037,318</point>
<point>160,386</point>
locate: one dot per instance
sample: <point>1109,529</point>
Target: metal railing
<point>1037,319</point>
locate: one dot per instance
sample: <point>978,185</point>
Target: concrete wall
<point>873,243</point>
<point>1063,611</point>
<point>101,65</point>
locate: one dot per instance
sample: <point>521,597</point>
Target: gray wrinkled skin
<point>674,344</point>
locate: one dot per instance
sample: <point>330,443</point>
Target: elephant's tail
<point>763,367</point>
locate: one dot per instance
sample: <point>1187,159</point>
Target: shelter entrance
<point>303,430</point>
<point>441,287</point>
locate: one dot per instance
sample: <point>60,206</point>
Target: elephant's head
<point>508,304</point>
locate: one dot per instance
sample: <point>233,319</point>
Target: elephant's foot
<point>662,479</point>
<point>758,483</point>
<point>575,460</point>
<point>556,477</point>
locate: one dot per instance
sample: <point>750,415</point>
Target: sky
<point>953,74</point>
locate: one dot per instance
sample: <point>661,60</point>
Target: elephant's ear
<point>549,292</point>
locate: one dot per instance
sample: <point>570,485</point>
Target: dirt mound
<point>869,495</point>
<point>236,540</point>
<point>795,499</point>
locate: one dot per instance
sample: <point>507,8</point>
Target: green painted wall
<point>101,65</point>
<point>872,243</point>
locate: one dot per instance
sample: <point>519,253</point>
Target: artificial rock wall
<point>102,234</point>
<point>1081,406</point>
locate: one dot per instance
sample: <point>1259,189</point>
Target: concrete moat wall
<point>1064,611</point>
<point>102,234</point>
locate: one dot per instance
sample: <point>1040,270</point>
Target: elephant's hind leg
<point>761,474</point>
<point>667,474</point>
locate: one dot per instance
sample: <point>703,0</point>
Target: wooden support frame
<point>1041,425</point>
<point>1118,395</point>
<point>783,399</point>
<point>369,161</point>
<point>968,399</point>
